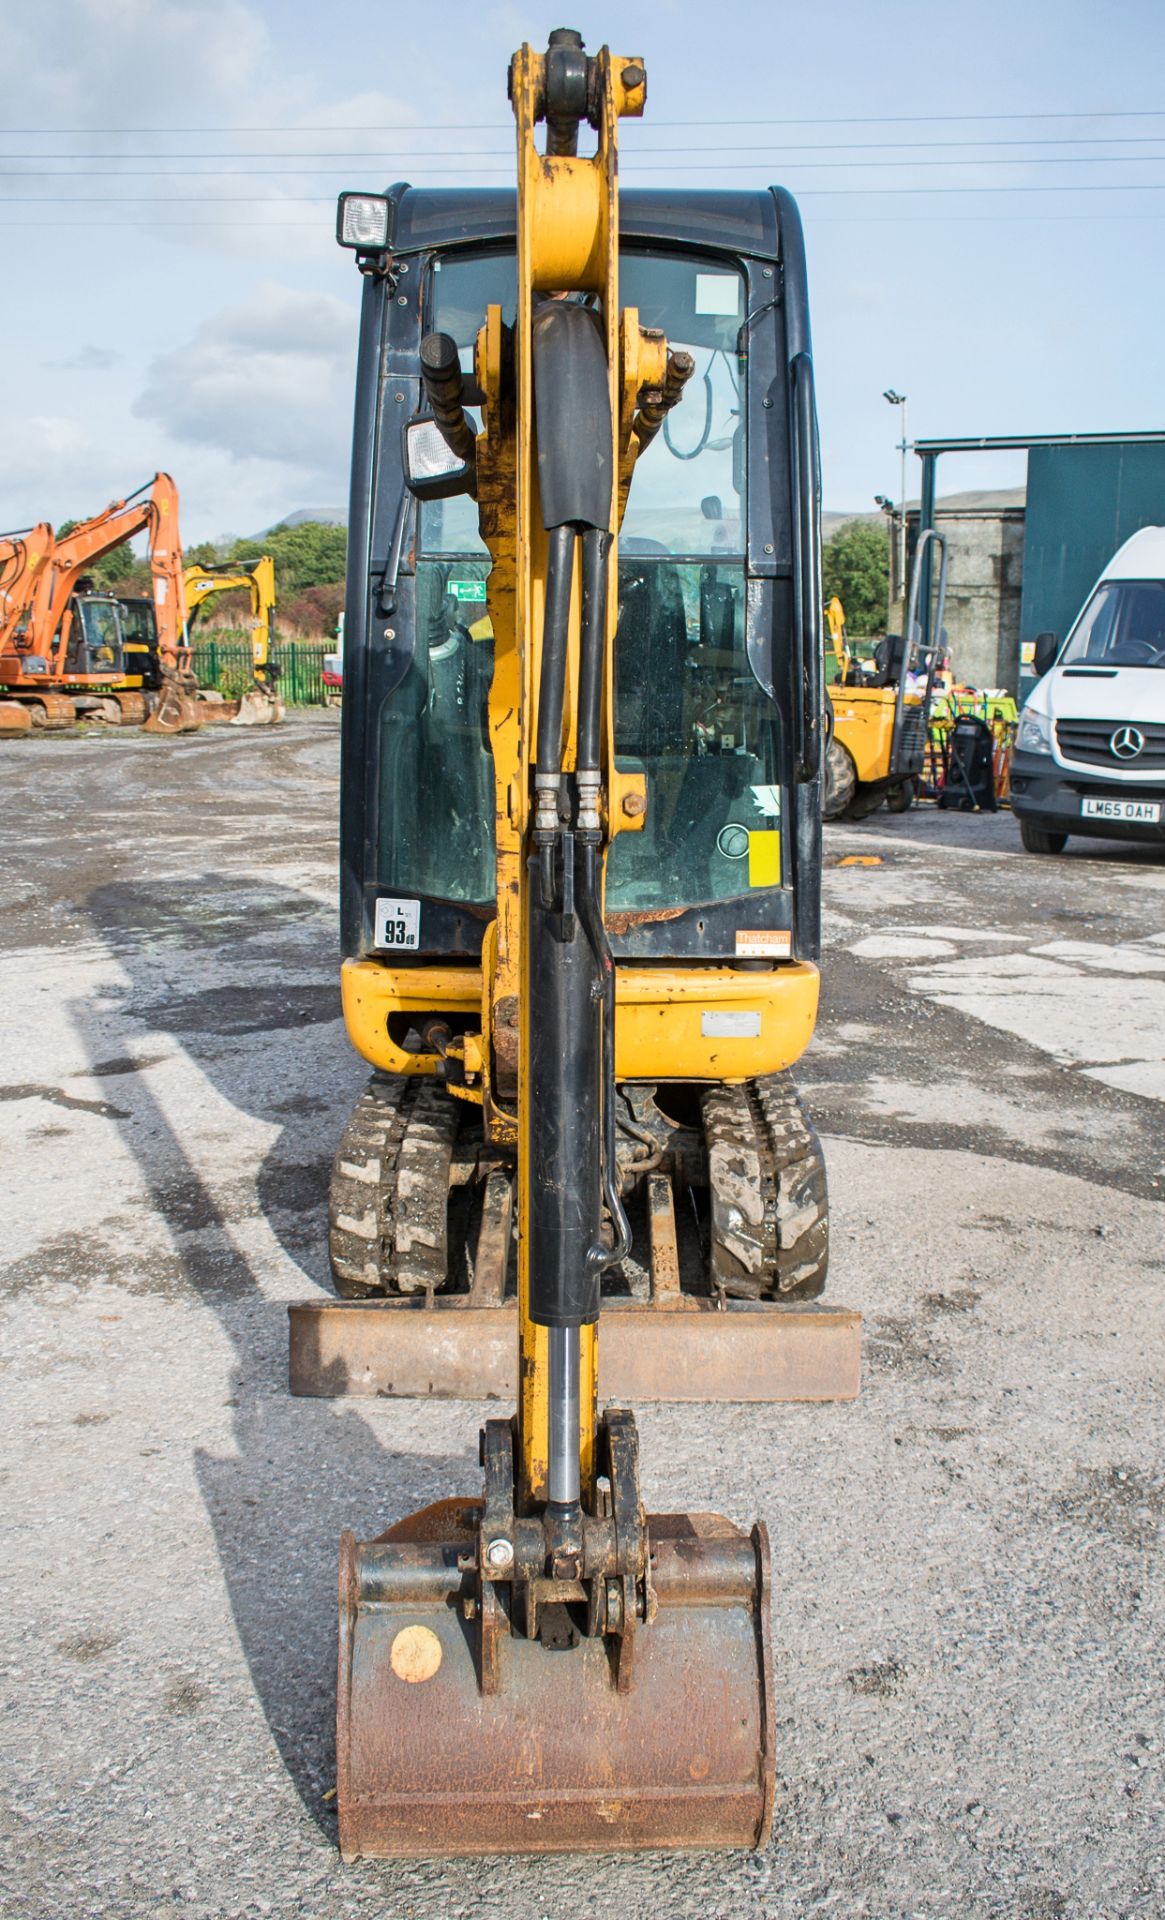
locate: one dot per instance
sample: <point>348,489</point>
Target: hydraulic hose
<point>596,546</point>
<point>552,690</point>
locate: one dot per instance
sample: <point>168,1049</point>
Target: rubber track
<point>389,1191</point>
<point>764,1134</point>
<point>798,1167</point>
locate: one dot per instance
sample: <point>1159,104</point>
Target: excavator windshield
<point>690,712</point>
<point>96,640</point>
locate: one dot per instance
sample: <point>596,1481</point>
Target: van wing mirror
<point>1046,648</point>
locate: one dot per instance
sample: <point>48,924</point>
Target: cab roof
<point>1141,558</point>
<point>743,223</point>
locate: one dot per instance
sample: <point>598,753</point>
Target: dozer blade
<point>14,719</point>
<point>213,709</point>
<point>552,1753</point>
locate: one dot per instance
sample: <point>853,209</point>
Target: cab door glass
<point>689,712</point>
<point>436,772</point>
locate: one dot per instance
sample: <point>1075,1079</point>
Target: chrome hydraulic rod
<point>564,1476</point>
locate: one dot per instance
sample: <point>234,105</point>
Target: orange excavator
<point>23,557</point>
<point>68,652</point>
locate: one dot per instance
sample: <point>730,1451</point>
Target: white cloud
<point>267,380</point>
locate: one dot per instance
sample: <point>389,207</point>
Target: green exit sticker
<point>467,589</point>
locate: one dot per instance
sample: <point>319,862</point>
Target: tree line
<point>310,559</point>
<point>309,574</point>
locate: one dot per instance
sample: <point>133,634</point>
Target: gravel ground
<point>970,1598</point>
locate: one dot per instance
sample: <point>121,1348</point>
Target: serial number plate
<point>398,924</point>
<point>1146,811</point>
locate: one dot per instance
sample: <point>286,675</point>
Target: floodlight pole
<point>899,400</point>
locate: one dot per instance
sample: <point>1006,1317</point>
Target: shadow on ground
<point>302,1470</point>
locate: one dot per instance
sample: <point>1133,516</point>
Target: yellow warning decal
<point>764,858</point>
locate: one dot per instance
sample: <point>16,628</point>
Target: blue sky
<point>174,298</point>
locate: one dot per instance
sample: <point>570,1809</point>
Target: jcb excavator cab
<point>713,904</point>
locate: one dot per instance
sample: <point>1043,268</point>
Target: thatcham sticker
<point>763,943</point>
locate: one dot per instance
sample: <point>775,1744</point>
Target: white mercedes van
<point>1090,751</point>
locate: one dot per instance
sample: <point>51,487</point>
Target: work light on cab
<point>362,222</point>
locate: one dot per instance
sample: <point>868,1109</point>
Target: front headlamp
<point>1035,732</point>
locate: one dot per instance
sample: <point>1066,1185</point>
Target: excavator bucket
<point>457,1734</point>
<point>174,710</point>
<point>259,707</point>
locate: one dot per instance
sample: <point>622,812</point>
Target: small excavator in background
<point>70,652</point>
<point>260,705</point>
<point>65,652</point>
<point>880,713</point>
<point>580,908</point>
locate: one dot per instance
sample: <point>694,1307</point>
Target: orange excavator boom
<point>23,558</point>
<point>153,509</point>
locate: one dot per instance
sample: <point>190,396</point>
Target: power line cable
<point>489,153</point>
<point>811,120</point>
<point>499,166</point>
<point>327,200</point>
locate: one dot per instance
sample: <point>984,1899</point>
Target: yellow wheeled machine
<point>880,713</point>
<point>581,870</point>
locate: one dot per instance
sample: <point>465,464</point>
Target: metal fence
<point>224,665</point>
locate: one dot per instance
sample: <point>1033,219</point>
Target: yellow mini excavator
<point>260,705</point>
<point>581,852</point>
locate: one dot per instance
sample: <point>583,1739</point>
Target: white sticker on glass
<point>398,925</point>
<point>717,293</point>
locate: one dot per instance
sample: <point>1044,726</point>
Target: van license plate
<point>1146,811</point>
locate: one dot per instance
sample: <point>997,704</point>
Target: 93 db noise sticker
<point>398,925</point>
